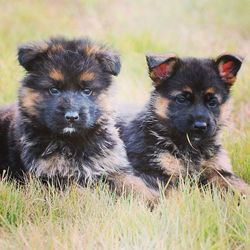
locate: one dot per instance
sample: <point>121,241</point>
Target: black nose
<point>200,126</point>
<point>71,116</point>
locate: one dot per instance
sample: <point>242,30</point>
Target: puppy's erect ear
<point>228,67</point>
<point>161,66</point>
<point>110,61</point>
<point>30,52</point>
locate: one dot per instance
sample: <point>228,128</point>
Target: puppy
<point>62,128</point>
<point>178,133</point>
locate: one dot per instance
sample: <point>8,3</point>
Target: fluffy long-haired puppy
<point>62,127</point>
<point>178,133</point>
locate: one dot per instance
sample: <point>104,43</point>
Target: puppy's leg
<point>126,183</point>
<point>227,180</point>
<point>219,172</point>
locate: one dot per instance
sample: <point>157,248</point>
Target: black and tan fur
<point>62,127</point>
<point>178,133</point>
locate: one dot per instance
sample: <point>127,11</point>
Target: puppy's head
<point>65,86</point>
<point>191,95</point>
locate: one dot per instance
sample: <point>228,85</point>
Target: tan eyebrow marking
<point>175,93</point>
<point>187,89</point>
<point>56,75</point>
<point>212,90</point>
<point>87,76</point>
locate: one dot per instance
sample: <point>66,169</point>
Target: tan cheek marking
<point>87,76</point>
<point>56,75</point>
<point>161,106</point>
<point>225,111</point>
<point>28,99</point>
<point>104,103</point>
<point>170,164</point>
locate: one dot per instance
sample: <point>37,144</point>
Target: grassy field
<point>35,218</point>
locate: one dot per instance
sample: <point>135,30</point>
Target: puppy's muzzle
<point>200,126</point>
<point>71,116</point>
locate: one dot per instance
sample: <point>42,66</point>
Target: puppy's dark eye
<point>54,91</point>
<point>87,92</point>
<point>181,99</point>
<point>212,103</point>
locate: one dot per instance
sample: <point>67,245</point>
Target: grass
<point>33,217</point>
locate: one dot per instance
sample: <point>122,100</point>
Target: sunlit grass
<point>36,217</point>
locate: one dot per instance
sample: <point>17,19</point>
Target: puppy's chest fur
<point>157,157</point>
<point>83,162</point>
<point>176,164</point>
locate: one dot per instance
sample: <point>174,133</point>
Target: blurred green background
<point>187,27</point>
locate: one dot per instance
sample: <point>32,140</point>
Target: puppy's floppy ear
<point>30,52</point>
<point>110,61</point>
<point>228,66</point>
<point>161,66</point>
